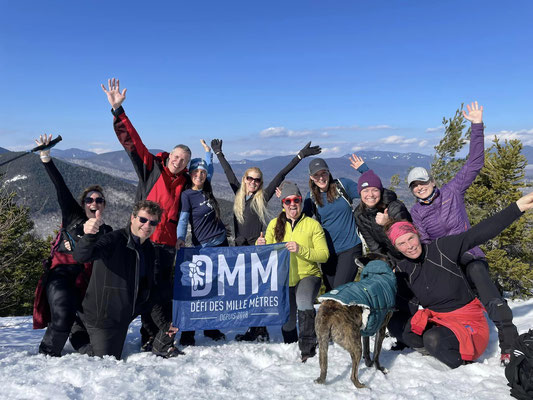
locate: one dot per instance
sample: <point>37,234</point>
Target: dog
<point>343,323</point>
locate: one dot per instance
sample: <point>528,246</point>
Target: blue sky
<point>265,76</point>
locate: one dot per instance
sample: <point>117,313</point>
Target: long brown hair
<point>279,229</point>
<point>332,193</point>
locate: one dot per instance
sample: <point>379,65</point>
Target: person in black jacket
<point>60,291</point>
<point>250,208</point>
<point>123,284</point>
<point>377,206</point>
<point>451,326</point>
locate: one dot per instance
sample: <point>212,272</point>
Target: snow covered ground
<point>232,370</point>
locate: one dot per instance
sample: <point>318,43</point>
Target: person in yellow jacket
<point>306,241</point>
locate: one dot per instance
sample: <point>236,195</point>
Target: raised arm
<point>476,155</point>
<point>306,151</point>
<point>68,204</point>
<point>208,159</point>
<point>490,227</point>
<point>358,163</point>
<point>235,184</point>
<point>114,96</point>
<point>127,135</point>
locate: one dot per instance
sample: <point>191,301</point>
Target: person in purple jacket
<point>441,212</point>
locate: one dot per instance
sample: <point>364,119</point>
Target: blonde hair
<point>258,200</point>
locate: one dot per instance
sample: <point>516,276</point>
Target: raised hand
<point>293,247</point>
<point>278,192</point>
<point>475,113</point>
<point>355,161</point>
<point>206,147</point>
<point>382,218</point>
<point>525,203</point>
<point>45,154</point>
<point>114,96</point>
<point>309,150</point>
<point>261,240</point>
<point>216,145</point>
<point>92,225</point>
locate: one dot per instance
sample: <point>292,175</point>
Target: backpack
<point>519,372</point>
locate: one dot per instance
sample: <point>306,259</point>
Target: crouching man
<point>122,284</point>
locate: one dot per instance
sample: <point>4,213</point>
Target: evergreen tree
<point>21,255</point>
<point>445,164</point>
<point>394,182</point>
<point>500,182</point>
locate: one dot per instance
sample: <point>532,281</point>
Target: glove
<point>308,151</point>
<point>216,145</point>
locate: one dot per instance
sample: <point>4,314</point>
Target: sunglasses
<point>90,200</point>
<point>250,179</point>
<point>143,220</point>
<point>295,200</point>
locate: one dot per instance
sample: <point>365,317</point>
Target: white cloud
<point>436,129</point>
<point>253,153</point>
<point>423,143</point>
<point>524,135</point>
<point>399,140</point>
<point>100,150</point>
<point>330,150</point>
<point>281,131</point>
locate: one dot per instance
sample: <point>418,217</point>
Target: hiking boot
<point>253,334</point>
<point>505,359</point>
<point>187,338</point>
<point>170,353</point>
<point>147,346</point>
<point>214,334</point>
<point>422,350</point>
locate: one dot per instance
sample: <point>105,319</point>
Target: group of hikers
<point>99,280</point>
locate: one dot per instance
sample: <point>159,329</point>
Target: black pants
<point>163,276</point>
<point>341,268</point>
<point>477,273</point>
<point>110,341</point>
<point>439,341</point>
<point>64,300</point>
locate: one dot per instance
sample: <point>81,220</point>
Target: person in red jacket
<point>162,178</point>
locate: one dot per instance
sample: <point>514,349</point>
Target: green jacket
<point>376,291</point>
<point>313,247</point>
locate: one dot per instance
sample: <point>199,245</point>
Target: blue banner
<point>228,287</point>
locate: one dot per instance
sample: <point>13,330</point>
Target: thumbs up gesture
<point>261,240</point>
<point>382,218</point>
<point>92,226</point>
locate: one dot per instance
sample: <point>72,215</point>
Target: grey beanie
<point>289,189</point>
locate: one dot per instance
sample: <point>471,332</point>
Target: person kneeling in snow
<point>122,284</point>
<point>451,326</point>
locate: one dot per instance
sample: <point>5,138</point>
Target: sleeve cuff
<point>118,111</point>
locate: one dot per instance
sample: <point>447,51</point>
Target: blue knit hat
<point>197,163</point>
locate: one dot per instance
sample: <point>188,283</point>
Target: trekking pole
<point>37,148</point>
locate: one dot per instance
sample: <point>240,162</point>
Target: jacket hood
<point>376,267</point>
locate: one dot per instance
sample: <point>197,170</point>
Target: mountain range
<point>115,173</point>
